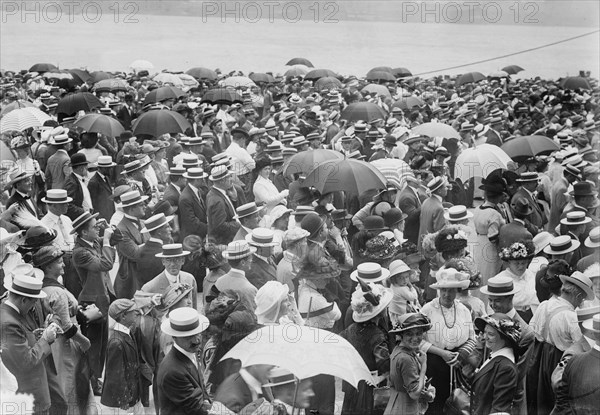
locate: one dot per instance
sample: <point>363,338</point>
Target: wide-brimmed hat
<point>575,218</point>
<point>528,177</point>
<point>195,173</point>
<point>16,175</point>
<point>279,376</point>
<point>105,161</point>
<point>219,173</point>
<point>370,272</point>
<point>172,251</point>
<point>60,139</point>
<point>173,295</point>
<point>584,188</point>
<point>294,235</point>
<point>457,213</point>
<point>374,223</point>
<point>369,300</point>
<point>79,159</point>
<point>176,171</point>
<point>398,267</point>
<point>593,239</point>
<point>518,251</point>
<point>507,328</point>
<point>56,196</point>
<point>184,322</point>
<point>299,141</point>
<point>580,280</point>
<point>38,236</point>
<point>189,161</point>
<point>46,255</point>
<point>261,237</point>
<point>278,212</point>
<point>238,250</point>
<point>521,206</point>
<point>499,287</point>
<point>19,142</point>
<point>340,214</point>
<point>156,221</point>
<point>247,210</point>
<point>451,278</point>
<point>542,240</point>
<point>134,165</point>
<point>586,313</point>
<point>561,245</point>
<point>25,286</point>
<point>410,321</point>
<point>592,325</point>
<point>132,198</point>
<point>450,238</point>
<point>268,300</point>
<point>379,248</point>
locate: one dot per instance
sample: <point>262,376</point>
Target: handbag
<point>459,401</point>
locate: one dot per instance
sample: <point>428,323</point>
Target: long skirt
<point>439,372</point>
<point>486,259</point>
<point>540,395</point>
<point>324,399</point>
<point>358,402</point>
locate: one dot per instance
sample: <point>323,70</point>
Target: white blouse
<point>449,333</point>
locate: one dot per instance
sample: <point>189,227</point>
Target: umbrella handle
<point>309,306</point>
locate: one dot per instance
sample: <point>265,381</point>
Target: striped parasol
<point>22,119</point>
<point>394,170</point>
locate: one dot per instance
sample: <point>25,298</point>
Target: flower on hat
<point>518,250</point>
<point>362,304</point>
<point>379,247</point>
<point>468,266</point>
<point>506,326</point>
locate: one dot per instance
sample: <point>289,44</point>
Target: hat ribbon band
<point>500,290</point>
<point>369,276</point>
<point>25,289</point>
<point>460,215</point>
<point>185,327</point>
<point>283,379</point>
<point>562,247</point>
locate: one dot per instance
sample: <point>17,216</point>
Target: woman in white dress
<point>265,192</point>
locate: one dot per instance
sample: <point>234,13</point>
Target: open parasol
<point>524,147</point>
<point>101,124</point>
<point>365,111</point>
<point>306,161</point>
<point>436,129</point>
<point>480,161</point>
<point>158,122</point>
<point>350,175</point>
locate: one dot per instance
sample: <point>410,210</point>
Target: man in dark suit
<point>409,201</point>
<point>242,388</point>
<point>262,268</point>
<point>529,183</point>
<point>22,354</point>
<point>126,282</point>
<point>181,389</point>
<point>101,188</point>
<point>76,187</point>
<point>192,207</point>
<point>176,184</point>
<point>126,113</point>
<point>57,168</point>
<point>159,230</point>
<point>222,226</point>
<point>23,184</point>
<point>516,231</point>
<point>432,210</point>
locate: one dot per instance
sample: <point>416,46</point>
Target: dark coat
<point>125,116</point>
<point>126,282</point>
<point>122,372</point>
<point>100,191</point>
<point>494,387</point>
<point>260,272</point>
<point>222,227</point>
<point>58,169</point>
<point>75,191</point>
<point>149,266</point>
<point>579,391</point>
<point>171,195</point>
<point>537,217</point>
<point>181,389</point>
<point>192,214</point>
<point>408,201</point>
<point>432,216</point>
<point>18,199</point>
<point>513,232</point>
<point>234,393</point>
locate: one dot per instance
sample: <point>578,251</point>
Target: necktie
<point>63,231</point>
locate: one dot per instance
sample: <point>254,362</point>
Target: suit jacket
<point>74,190</point>
<point>579,393</point>
<point>494,386</point>
<point>432,216</point>
<point>18,199</point>
<point>126,282</point>
<point>100,191</point>
<point>149,266</point>
<point>181,389</point>
<point>125,116</point>
<point>24,357</point>
<point>558,200</point>
<point>57,170</point>
<point>260,272</point>
<point>93,264</point>
<point>537,217</point>
<point>171,194</point>
<point>122,372</point>
<point>160,284</point>
<point>234,393</point>
<point>192,214</point>
<point>240,234</point>
<point>221,225</point>
<point>408,201</point>
<point>513,232</point>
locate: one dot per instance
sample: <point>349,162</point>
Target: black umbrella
<point>469,78</point>
<point>158,122</point>
<point>512,69</point>
<point>100,76</point>
<point>262,77</point>
<point>79,101</point>
<point>163,93</point>
<point>202,73</point>
<point>575,82</point>
<point>319,73</point>
<point>328,82</point>
<point>300,61</point>
<point>222,96</point>
<point>382,69</point>
<point>365,111</point>
<point>81,75</point>
<point>378,76</point>
<point>43,67</point>
<point>401,72</point>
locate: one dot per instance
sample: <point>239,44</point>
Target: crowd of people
<point>132,262</point>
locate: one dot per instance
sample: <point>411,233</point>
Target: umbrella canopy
<point>57,75</point>
<point>296,70</point>
<point>300,61</point>
<point>480,161</point>
<point>499,74</point>
<point>394,170</point>
<point>316,74</point>
<point>78,101</point>
<point>262,77</point>
<point>22,119</point>
<point>409,102</point>
<point>378,76</point>
<point>168,78</point>
<point>365,111</point>
<point>221,96</point>
<point>512,69</point>
<point>350,175</point>
<point>98,76</point>
<point>401,72</point>
<point>522,148</point>
<point>188,81</point>
<point>159,122</point>
<point>80,75</point>
<point>43,67</point>
<point>436,129</point>
<point>304,351</point>
<point>575,82</point>
<point>202,73</point>
<point>101,124</point>
<point>382,69</point>
<point>111,85</point>
<point>376,89</point>
<point>141,65</point>
<point>163,93</point>
<point>306,161</point>
<point>469,77</point>
<point>238,82</point>
<point>7,161</point>
<point>15,105</point>
<point>329,82</point>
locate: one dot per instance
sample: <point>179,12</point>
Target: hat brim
<point>52,202</point>
<point>385,300</point>
<point>187,176</point>
<point>214,179</point>
<point>480,324</point>
<point>588,242</point>
<point>113,164</point>
<point>589,326</point>
<point>463,285</point>
<point>385,274</point>
<point>565,221</point>
<point>426,327</point>
<point>141,166</point>
<point>251,252</point>
<point>21,176</point>
<point>137,202</point>
<point>589,292</point>
<point>574,245</point>
<point>166,328</point>
<point>79,225</point>
<point>41,294</point>
<point>168,219</point>
<point>182,254</point>
<point>53,143</point>
<point>484,290</point>
<point>468,215</point>
<point>258,209</point>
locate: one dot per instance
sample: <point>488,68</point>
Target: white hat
<point>25,286</point>
<point>584,283</point>
<point>183,322</point>
<point>457,213</point>
<point>268,301</point>
<point>451,278</point>
<point>370,272</point>
<point>363,309</point>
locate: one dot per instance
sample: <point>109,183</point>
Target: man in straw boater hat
<point>249,216</point>
<point>220,209</point>
<point>101,188</point>
<point>592,243</point>
<point>133,205</point>
<point>192,208</point>
<point>77,188</point>
<point>181,388</point>
<point>22,183</point>
<point>26,345</point>
<point>263,267</point>
<point>555,326</point>
<point>173,258</point>
<point>175,186</point>
<point>57,168</point>
<point>134,176</point>
<point>584,198</point>
<point>158,227</point>
<point>528,182</point>
<point>243,163</point>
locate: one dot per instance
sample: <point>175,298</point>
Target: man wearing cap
<point>181,388</point>
<point>76,187</point>
<point>528,184</point>
<point>192,206</point>
<point>24,353</point>
<point>58,167</point>
<point>22,182</point>
<point>100,188</point>
<point>220,210</point>
<point>558,194</point>
<point>432,211</point>
<point>159,229</point>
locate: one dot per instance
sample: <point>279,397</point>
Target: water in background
<point>179,42</point>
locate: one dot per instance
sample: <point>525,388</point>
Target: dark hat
<point>240,131</point>
<point>390,141</point>
<point>165,207</point>
<point>450,239</point>
<point>374,223</point>
<point>46,255</point>
<point>411,321</point>
<point>584,188</point>
<point>312,223</point>
<point>393,216</point>
<point>521,206</point>
<point>509,329</point>
<point>37,236</point>
<point>340,214</point>
<point>78,159</point>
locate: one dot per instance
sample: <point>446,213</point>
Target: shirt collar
<point>103,177</point>
<point>156,240</point>
<point>506,352</point>
<point>87,242</point>
<point>264,258</point>
<point>522,222</point>
<point>237,272</point>
<point>132,218</point>
<point>122,328</point>
<point>22,194</point>
<point>52,217</point>
<point>189,355</point>
<point>78,176</point>
<point>172,278</point>
<point>597,347</point>
<point>512,313</point>
<point>11,305</point>
<point>253,383</point>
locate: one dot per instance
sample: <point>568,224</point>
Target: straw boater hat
<point>435,183</point>
<point>592,325</point>
<point>369,300</point>
<point>132,198</point>
<point>451,278</point>
<point>593,240</point>
<point>60,139</point>
<point>279,376</point>
<point>580,280</point>
<point>16,175</point>
<point>25,286</point>
<point>411,321</point>
<point>219,173</point>
<point>247,210</point>
<point>28,270</point>
<point>82,219</point>
<point>507,328</point>
<point>528,177</point>
<point>575,218</point>
<point>105,161</point>
<point>134,166</point>
<point>184,322</point>
<point>542,240</point>
<point>172,251</point>
<point>156,221</point>
<point>195,173</point>
<point>57,196</point>
<point>238,250</point>
<point>499,287</point>
<point>561,245</point>
<point>370,272</point>
<point>261,237</point>
<point>457,213</point>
